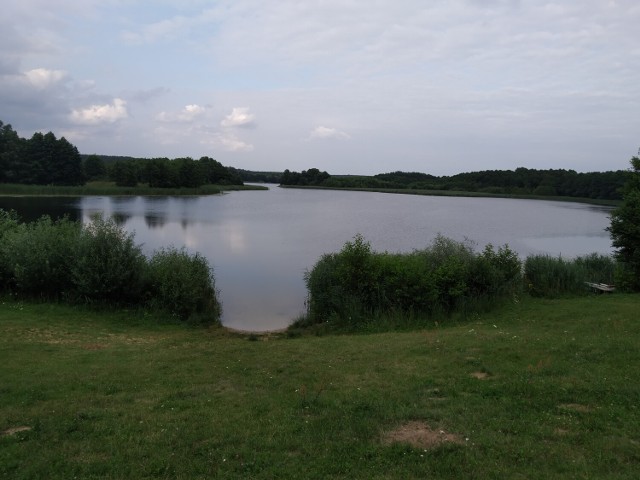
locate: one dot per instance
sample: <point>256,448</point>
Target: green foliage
<point>124,173</point>
<point>99,263</point>
<point>625,231</point>
<point>40,160</point>
<point>94,168</point>
<point>311,177</point>
<point>551,277</point>
<point>520,182</point>
<point>177,173</point>
<point>8,224</point>
<point>356,283</point>
<point>183,285</point>
<point>108,266</point>
<point>39,256</point>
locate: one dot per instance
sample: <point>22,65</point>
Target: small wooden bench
<point>601,287</point>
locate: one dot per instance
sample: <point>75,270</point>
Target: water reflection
<point>32,208</point>
<point>260,243</point>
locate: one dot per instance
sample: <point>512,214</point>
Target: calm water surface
<point>261,242</point>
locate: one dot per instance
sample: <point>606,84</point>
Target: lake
<point>261,242</point>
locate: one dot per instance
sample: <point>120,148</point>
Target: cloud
<point>98,114</point>
<point>187,115</point>
<point>43,78</point>
<point>239,117</point>
<point>326,133</point>
<point>229,142</point>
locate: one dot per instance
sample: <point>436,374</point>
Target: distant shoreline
<point>110,189</point>
<point>456,193</point>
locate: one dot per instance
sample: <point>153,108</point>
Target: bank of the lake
<point>460,193</point>
<point>260,243</point>
<point>111,189</point>
<point>538,389</point>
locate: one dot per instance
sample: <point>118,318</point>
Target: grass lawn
<point>538,389</point>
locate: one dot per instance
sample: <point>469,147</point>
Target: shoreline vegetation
<point>106,188</point>
<point>519,183</point>
<point>98,263</point>
<point>456,193</point>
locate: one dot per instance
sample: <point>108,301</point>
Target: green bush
<point>100,263</point>
<point>547,276</point>
<point>183,285</point>
<point>39,256</point>
<point>108,266</point>
<point>357,284</point>
<point>8,223</point>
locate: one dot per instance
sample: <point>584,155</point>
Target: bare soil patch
<point>420,435</point>
<point>480,375</point>
<point>575,407</point>
<point>13,431</point>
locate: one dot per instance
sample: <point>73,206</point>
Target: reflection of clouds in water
<point>237,239</point>
<point>191,238</point>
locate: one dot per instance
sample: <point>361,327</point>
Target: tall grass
<point>547,276</point>
<point>99,263</point>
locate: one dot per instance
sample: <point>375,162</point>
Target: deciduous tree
<point>625,229</point>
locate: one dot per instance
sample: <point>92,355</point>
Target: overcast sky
<point>347,86</point>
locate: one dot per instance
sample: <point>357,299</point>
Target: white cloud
<point>42,78</point>
<point>229,142</point>
<point>239,117</point>
<point>326,132</point>
<point>97,114</point>
<point>556,79</point>
<point>188,114</point>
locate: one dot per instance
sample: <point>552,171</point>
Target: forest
<point>45,160</point>
<point>521,181</point>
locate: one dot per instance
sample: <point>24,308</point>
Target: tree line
<point>311,177</point>
<point>45,160</point>
<point>521,181</point>
<point>40,160</point>
<point>175,173</point>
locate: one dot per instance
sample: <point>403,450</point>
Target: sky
<point>346,86</point>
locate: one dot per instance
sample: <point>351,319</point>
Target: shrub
<point>108,266</point>
<point>8,223</point>
<point>183,285</point>
<point>100,263</point>
<point>39,256</point>
<point>447,276</point>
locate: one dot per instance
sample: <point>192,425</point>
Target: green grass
<point>109,188</point>
<point>120,395</point>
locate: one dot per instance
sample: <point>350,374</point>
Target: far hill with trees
<point>44,159</point>
<point>40,160</point>
<point>518,182</point>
